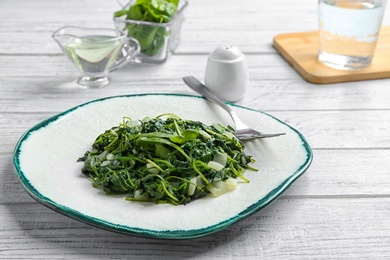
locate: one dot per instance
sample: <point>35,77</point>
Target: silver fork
<point>243,132</point>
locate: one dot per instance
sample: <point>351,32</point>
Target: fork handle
<point>206,92</point>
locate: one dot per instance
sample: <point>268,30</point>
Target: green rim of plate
<point>167,234</point>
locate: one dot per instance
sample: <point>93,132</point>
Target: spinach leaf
<point>151,37</point>
<point>166,160</point>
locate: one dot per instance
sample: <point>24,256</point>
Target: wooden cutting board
<point>301,50</point>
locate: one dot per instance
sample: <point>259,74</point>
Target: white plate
<point>45,160</point>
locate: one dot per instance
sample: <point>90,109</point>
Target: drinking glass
<point>348,32</point>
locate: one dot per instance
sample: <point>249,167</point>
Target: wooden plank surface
<point>339,208</point>
<point>281,231</point>
<point>273,85</point>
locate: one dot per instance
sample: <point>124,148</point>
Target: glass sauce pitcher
<point>96,52</point>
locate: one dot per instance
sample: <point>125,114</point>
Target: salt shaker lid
<point>226,53</point>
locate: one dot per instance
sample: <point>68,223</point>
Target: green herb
<point>150,37</point>
<point>166,160</point>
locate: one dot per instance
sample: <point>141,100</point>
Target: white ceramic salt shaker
<point>226,73</point>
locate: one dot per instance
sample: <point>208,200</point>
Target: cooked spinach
<point>166,160</point>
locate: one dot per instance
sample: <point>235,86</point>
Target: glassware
<point>157,40</point>
<point>94,52</point>
<point>348,32</point>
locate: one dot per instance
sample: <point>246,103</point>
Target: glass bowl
<point>157,40</point>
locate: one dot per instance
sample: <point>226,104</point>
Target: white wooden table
<point>340,208</point>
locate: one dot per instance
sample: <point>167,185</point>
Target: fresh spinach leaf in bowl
<point>151,37</point>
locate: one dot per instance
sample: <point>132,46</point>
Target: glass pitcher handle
<point>129,51</point>
<point>121,4</point>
